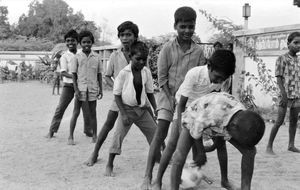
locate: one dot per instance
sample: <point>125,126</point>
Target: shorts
<point>165,115</point>
<point>87,96</point>
<point>292,103</point>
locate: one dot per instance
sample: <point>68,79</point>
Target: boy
<point>175,59</point>
<point>87,79</point>
<point>71,40</point>
<point>288,78</point>
<point>56,71</point>
<point>222,117</point>
<point>132,87</point>
<point>217,45</point>
<point>198,82</point>
<point>128,33</point>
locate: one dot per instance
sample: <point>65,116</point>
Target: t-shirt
<point>210,114</point>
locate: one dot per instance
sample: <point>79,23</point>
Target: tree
<point>4,24</point>
<point>51,19</point>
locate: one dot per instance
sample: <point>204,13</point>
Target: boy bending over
<point>222,117</point>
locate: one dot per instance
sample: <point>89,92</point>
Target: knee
<point>178,158</point>
<point>172,145</point>
<point>250,152</point>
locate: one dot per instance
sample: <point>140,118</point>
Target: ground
<point>29,161</point>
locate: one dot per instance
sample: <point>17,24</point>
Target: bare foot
<point>49,135</point>
<point>71,141</point>
<point>156,185</point>
<point>146,185</point>
<point>92,160</point>
<point>270,151</point>
<point>293,149</point>
<point>228,185</point>
<point>109,171</point>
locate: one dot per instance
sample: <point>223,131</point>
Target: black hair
<point>185,14</point>
<point>222,61</point>
<point>128,25</point>
<point>292,36</point>
<point>139,47</point>
<point>86,33</point>
<point>71,34</point>
<point>218,43</point>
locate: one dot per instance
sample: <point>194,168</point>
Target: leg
<point>76,112</point>
<point>167,154</point>
<point>93,119</point>
<point>159,137</point>
<point>184,145</point>
<point>274,130</point>
<point>64,101</point>
<point>86,118</point>
<point>247,164</point>
<point>292,129</point>
<point>108,125</point>
<point>115,149</point>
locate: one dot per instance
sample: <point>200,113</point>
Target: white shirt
<point>196,84</point>
<point>123,86</point>
<point>65,64</point>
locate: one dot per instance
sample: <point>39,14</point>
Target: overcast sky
<point>155,17</point>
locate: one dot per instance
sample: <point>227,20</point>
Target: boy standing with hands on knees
<point>175,59</point>
<point>87,80</point>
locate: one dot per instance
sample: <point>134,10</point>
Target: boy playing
<point>132,87</point>
<point>198,82</point>
<point>288,78</point>
<point>175,59</point>
<point>222,117</point>
<point>87,80</point>
<point>71,39</point>
<point>128,33</point>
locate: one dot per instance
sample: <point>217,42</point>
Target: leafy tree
<point>4,24</point>
<point>51,19</point>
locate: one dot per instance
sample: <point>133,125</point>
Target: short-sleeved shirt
<point>124,86</point>
<point>87,69</point>
<point>65,64</point>
<point>196,84</point>
<point>116,63</point>
<point>173,64</point>
<point>210,114</point>
<point>288,67</point>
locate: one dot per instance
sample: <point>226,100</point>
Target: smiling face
<point>86,44</point>
<point>294,45</point>
<point>127,38</point>
<point>185,30</point>
<point>71,44</point>
<point>138,61</point>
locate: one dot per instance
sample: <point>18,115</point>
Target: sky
<point>156,17</point>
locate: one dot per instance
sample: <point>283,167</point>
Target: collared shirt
<point>123,86</point>
<point>288,67</point>
<point>196,84</point>
<point>87,69</point>
<point>116,63</point>
<point>173,63</point>
<point>65,63</point>
<point>210,114</point>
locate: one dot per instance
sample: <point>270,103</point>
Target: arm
<point>75,85</point>
<point>279,74</point>
<point>67,75</point>
<point>124,115</point>
<point>99,78</point>
<point>152,101</point>
<point>282,91</point>
<point>109,81</point>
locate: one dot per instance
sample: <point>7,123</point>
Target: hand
<point>200,160</point>
<point>155,114</point>
<point>125,119</point>
<point>99,95</point>
<point>77,94</point>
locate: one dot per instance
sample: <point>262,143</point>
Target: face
<point>71,43</point>
<point>138,61</point>
<point>216,77</point>
<point>127,38</point>
<point>185,30</point>
<point>86,44</point>
<point>217,47</point>
<point>294,45</point>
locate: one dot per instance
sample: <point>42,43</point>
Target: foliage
<point>264,78</point>
<point>26,45</point>
<point>4,25</point>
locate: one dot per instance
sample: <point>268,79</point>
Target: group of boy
<point>187,81</point>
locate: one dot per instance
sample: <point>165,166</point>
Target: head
<point>293,42</point>
<point>71,40</point>
<point>221,65</point>
<point>128,32</point>
<point>138,55</point>
<point>246,128</point>
<point>218,45</point>
<point>185,21</point>
<point>86,40</point>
